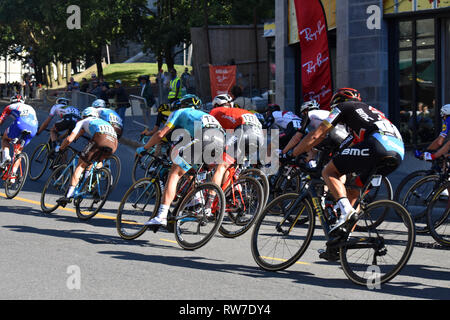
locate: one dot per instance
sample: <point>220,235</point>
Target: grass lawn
<point>127,72</point>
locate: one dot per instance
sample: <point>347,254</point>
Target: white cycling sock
<point>163,211</point>
<point>6,154</point>
<point>345,206</point>
<point>70,192</point>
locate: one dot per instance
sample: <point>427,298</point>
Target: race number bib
<point>209,121</point>
<point>115,119</point>
<point>106,130</point>
<point>251,119</point>
<point>297,124</point>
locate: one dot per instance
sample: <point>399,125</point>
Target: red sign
<point>315,60</point>
<point>222,79</point>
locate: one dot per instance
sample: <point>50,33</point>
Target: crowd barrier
<point>139,111</point>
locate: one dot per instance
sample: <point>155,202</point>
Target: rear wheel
<point>115,167</point>
<point>194,227</point>
<point>139,204</point>
<point>139,167</point>
<point>438,216</point>
<point>94,194</point>
<point>378,253</point>
<point>262,179</point>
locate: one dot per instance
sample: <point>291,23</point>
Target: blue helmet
<point>90,112</point>
<point>191,100</point>
<point>99,103</point>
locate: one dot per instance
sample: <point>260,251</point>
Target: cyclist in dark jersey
<point>375,139</point>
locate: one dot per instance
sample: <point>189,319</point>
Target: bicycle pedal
<point>329,255</point>
<point>154,228</point>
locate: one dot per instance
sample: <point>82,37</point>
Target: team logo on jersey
<point>356,152</point>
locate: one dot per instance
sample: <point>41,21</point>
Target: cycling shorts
<point>100,147</point>
<point>368,154</point>
<point>16,128</point>
<point>68,122</point>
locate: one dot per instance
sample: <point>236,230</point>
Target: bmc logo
<point>356,152</point>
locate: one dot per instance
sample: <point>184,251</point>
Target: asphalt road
<point>60,257</point>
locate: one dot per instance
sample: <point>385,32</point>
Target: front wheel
<point>39,161</point>
<point>438,216</point>
<point>56,187</point>
<point>283,232</point>
<point>194,224</point>
<point>115,167</point>
<point>378,253</point>
<point>94,194</point>
<point>18,174</point>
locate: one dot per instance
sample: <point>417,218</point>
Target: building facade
<point>395,52</point>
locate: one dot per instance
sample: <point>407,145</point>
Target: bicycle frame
<point>17,148</point>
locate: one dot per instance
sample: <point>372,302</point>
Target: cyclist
<point>441,142</point>
<point>245,125</point>
<point>187,118</point>
<point>68,116</point>
<point>375,138</point>
<point>24,119</point>
<point>312,117</point>
<point>103,143</point>
<point>109,115</point>
<point>164,111</point>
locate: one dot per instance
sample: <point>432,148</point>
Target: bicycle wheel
<point>56,187</point>
<point>115,167</point>
<point>417,199</point>
<point>262,179</point>
<point>13,186</point>
<point>139,167</point>
<point>243,206</point>
<point>290,183</point>
<point>282,232</point>
<point>382,192</point>
<point>139,204</point>
<point>94,194</point>
<point>193,228</point>
<point>379,253</point>
<point>438,216</point>
<point>407,182</point>
<point>39,161</point>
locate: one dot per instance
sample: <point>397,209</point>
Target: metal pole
<point>207,32</point>
<point>107,54</point>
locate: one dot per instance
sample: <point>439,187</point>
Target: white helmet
<point>445,110</point>
<point>99,103</point>
<point>90,112</point>
<point>222,99</point>
<point>63,101</point>
<point>309,105</point>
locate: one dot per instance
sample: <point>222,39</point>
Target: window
<point>416,81</point>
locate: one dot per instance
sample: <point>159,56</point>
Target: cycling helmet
<point>63,101</point>
<point>309,105</point>
<point>345,94</point>
<point>99,103</point>
<point>273,107</point>
<point>17,98</point>
<point>190,100</point>
<point>164,107</point>
<point>90,112</point>
<point>222,99</point>
<point>175,105</point>
<point>445,110</point>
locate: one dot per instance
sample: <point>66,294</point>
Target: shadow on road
<point>399,289</point>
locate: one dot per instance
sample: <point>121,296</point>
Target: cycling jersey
<point>21,112</point>
<point>110,116</point>
<point>93,125</point>
<point>445,129</point>
<point>283,118</point>
<point>162,117</point>
<point>25,119</point>
<point>231,118</point>
<point>62,110</point>
<point>188,117</point>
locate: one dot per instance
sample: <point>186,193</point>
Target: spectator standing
<point>174,86</point>
<point>147,93</point>
<point>120,97</point>
<point>240,101</point>
<point>95,89</point>
<point>84,86</point>
<point>190,88</point>
<point>184,77</point>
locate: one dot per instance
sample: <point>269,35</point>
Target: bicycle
<point>14,174</point>
<point>242,191</point>
<point>44,157</point>
<point>292,225</point>
<point>92,189</point>
<point>188,220</point>
<point>419,196</point>
<point>438,212</point>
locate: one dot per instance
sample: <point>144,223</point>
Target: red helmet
<point>345,94</point>
<point>273,107</point>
